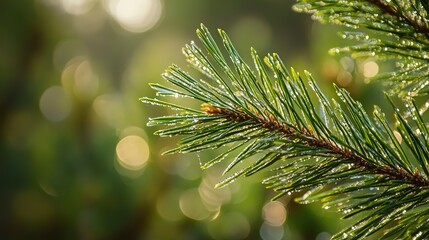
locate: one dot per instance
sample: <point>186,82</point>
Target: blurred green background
<point>77,160</point>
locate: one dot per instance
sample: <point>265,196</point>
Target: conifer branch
<point>307,137</point>
<point>397,30</point>
<point>419,26</point>
<point>334,152</point>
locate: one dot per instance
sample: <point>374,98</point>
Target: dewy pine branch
<point>307,137</point>
<point>420,26</point>
<point>383,29</point>
<point>335,153</point>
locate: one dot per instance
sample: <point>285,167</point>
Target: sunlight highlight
<point>132,152</point>
<point>135,15</point>
<point>370,69</point>
<point>77,7</point>
<point>79,78</point>
<point>274,213</point>
<point>192,206</point>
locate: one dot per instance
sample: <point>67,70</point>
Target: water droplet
<point>417,132</point>
<point>417,235</point>
<point>334,51</point>
<point>239,93</point>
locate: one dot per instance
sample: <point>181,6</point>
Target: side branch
<point>418,25</point>
<point>308,138</point>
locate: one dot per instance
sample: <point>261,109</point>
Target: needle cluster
<point>267,117</point>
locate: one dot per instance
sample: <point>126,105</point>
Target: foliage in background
<point>269,117</point>
<point>70,76</point>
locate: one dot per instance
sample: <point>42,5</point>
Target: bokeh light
<point>269,232</point>
<point>86,82</point>
<point>347,63</point>
<point>323,236</point>
<point>135,15</point>
<point>55,104</point>
<point>192,205</point>
<point>132,152</point>
<point>274,213</point>
<point>79,78</point>
<point>370,69</point>
<point>77,7</point>
<point>213,198</point>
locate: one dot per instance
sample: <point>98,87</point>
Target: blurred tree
<point>77,159</point>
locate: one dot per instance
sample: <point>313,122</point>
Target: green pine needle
<point>385,29</point>
<point>334,151</point>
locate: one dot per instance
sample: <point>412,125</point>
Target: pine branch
<point>414,21</point>
<point>336,153</point>
<point>309,139</point>
<point>396,30</point>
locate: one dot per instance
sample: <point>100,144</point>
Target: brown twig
<point>307,137</point>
